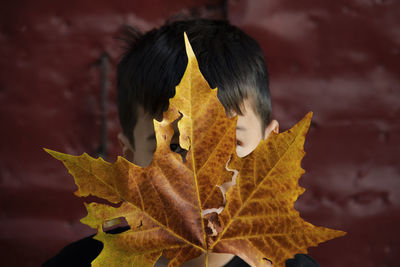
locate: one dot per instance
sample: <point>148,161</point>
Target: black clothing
<point>82,252</point>
<point>301,260</point>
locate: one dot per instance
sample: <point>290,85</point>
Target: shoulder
<point>81,252</point>
<point>301,260</point>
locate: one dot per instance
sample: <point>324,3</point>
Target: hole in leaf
<point>224,188</point>
<point>175,146</point>
<point>116,225</point>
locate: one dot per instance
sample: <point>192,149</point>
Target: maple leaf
<point>173,207</point>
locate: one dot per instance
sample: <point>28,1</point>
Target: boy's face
<point>249,130</point>
<point>249,133</point>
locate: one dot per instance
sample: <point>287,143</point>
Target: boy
<point>154,64</point>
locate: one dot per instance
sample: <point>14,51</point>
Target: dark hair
<point>154,63</point>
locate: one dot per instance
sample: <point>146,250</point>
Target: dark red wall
<point>339,59</point>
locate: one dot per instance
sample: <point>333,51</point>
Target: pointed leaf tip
<point>55,154</point>
<point>189,49</point>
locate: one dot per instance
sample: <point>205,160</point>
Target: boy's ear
<point>273,126</point>
<point>127,150</point>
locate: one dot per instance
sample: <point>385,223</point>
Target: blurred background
<point>340,59</point>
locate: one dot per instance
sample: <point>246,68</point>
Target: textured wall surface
<point>340,59</point>
<point>54,56</point>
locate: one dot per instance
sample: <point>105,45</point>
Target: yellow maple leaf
<point>169,204</point>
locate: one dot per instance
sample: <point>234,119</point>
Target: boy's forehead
<point>145,119</point>
<point>247,105</point>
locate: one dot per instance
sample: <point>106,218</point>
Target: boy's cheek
<point>242,151</point>
<point>239,151</point>
<point>245,148</point>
